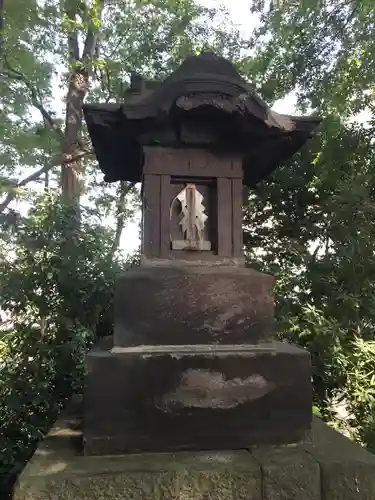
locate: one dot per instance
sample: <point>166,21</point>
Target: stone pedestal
<point>162,398</point>
<point>193,366</point>
<point>330,467</point>
<point>193,304</point>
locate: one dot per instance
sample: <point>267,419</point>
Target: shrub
<point>56,282</point>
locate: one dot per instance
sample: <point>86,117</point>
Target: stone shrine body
<point>194,363</point>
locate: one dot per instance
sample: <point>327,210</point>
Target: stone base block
<point>193,305</point>
<point>167,398</point>
<point>330,468</point>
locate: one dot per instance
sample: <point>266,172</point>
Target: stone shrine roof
<point>206,97</point>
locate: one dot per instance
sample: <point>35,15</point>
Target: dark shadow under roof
<point>207,91</point>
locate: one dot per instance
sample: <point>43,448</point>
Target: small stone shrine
<point>193,370</point>
<point>194,363</point>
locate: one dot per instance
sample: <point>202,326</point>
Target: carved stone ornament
<point>192,101</point>
<point>192,221</point>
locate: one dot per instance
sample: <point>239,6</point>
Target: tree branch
<point>124,190</point>
<point>66,159</point>
<point>19,76</point>
<point>92,37</point>
<point>73,47</point>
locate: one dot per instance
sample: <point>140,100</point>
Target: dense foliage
<point>311,223</point>
<point>58,296</point>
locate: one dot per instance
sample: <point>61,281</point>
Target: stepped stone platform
<point>329,467</point>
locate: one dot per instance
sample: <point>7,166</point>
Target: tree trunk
<point>78,88</point>
<point>120,212</point>
<point>70,182</point>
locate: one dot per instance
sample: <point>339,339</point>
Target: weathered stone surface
<point>347,470</point>
<point>193,305</point>
<point>58,471</point>
<point>137,486</point>
<point>288,472</point>
<point>162,398</point>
